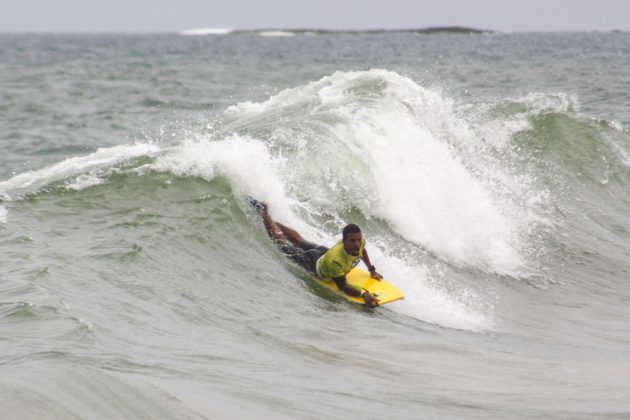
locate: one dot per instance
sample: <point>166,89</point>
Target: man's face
<point>352,243</point>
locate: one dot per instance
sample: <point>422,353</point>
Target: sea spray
<point>379,142</point>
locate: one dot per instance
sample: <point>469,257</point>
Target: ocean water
<point>490,174</point>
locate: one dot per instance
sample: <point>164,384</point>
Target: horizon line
<point>218,31</point>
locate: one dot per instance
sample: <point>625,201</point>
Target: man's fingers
<point>376,275</point>
<point>373,302</point>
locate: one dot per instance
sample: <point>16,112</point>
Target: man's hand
<point>376,275</point>
<point>370,301</point>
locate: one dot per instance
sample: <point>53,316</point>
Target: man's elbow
<point>341,283</point>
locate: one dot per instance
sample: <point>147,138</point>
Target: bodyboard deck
<point>383,290</point>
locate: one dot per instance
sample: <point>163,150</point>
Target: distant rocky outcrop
<point>305,31</point>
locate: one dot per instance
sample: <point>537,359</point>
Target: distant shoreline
<point>431,30</point>
<point>311,31</point>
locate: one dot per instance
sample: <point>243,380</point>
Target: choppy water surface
<point>490,174</point>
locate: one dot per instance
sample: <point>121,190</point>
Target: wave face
<point>401,153</point>
<point>138,277</point>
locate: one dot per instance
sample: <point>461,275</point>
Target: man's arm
<point>343,285</point>
<point>370,266</point>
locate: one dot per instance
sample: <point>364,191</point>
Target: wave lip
<point>80,166</point>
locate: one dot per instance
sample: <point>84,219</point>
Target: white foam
<point>246,162</point>
<point>206,31</point>
<point>436,306</point>
<point>538,102</point>
<point>425,190</point>
<point>402,153</point>
<point>616,125</point>
<point>498,133</point>
<point>4,214</point>
<point>84,181</point>
<point>272,33</point>
<point>103,158</point>
<point>426,300</point>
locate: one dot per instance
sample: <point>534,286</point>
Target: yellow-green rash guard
<point>336,262</point>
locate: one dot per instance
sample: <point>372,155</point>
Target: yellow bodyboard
<point>383,290</point>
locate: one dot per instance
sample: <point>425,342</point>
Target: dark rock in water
<point>432,30</point>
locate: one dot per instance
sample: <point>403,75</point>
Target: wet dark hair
<point>351,228</point>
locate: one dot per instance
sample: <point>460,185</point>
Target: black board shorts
<point>305,254</point>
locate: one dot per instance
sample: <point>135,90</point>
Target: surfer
<point>323,262</point>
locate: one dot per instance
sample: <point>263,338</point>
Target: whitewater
<point>137,282</point>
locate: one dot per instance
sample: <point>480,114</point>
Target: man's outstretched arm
<point>343,285</point>
<point>370,266</point>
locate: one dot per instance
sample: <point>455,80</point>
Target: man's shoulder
<point>335,248</point>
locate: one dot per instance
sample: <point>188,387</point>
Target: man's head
<point>352,238</point>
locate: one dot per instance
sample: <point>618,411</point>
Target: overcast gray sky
<point>176,15</point>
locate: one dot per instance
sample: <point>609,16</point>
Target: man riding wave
<point>326,263</point>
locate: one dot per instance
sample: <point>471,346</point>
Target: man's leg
<point>273,229</point>
<point>308,255</point>
<point>277,231</point>
<point>291,234</point>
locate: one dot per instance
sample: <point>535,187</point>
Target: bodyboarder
<point>326,263</point>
